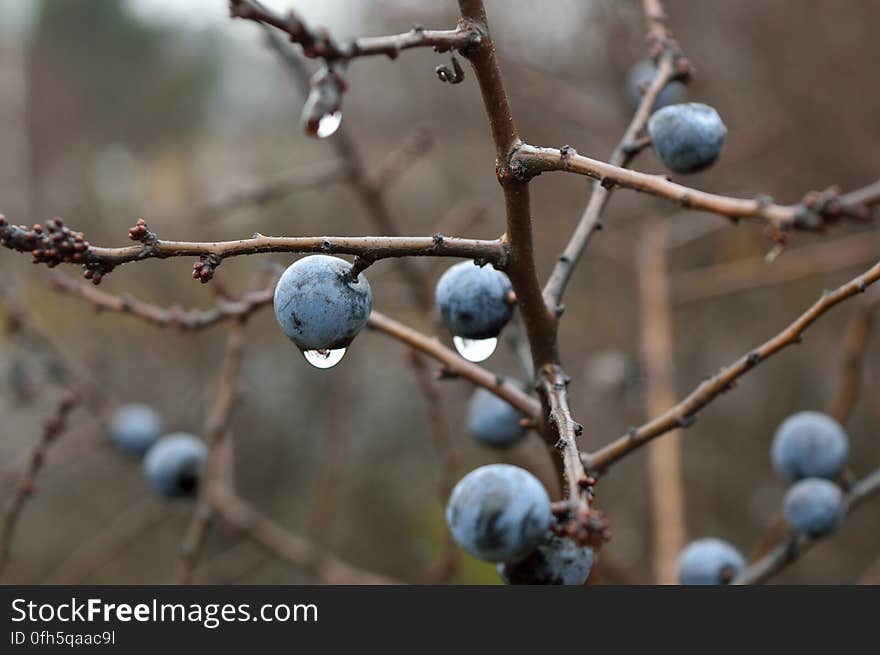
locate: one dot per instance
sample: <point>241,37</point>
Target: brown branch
<point>854,346</point>
<point>683,414</point>
<point>53,428</point>
<point>295,550</point>
<point>317,43</point>
<point>789,551</point>
<point>809,215</point>
<point>99,261</point>
<point>219,467</point>
<point>556,425</point>
<point>183,319</point>
<point>749,273</point>
<point>664,457</point>
<point>623,154</point>
<point>455,365</point>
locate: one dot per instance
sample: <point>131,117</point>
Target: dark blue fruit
<point>474,300</point>
<point>135,427</point>
<point>639,79</point>
<point>809,445</point>
<point>498,513</point>
<point>318,305</point>
<point>174,465</point>
<point>494,421</point>
<point>814,506</point>
<point>709,562</point>
<point>687,137</point>
<point>556,561</point>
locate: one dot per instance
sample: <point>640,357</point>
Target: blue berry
<point>687,137</point>
<point>318,306</point>
<point>709,562</point>
<point>135,427</point>
<point>474,300</point>
<point>556,561</point>
<point>640,77</point>
<point>494,421</point>
<point>174,465</point>
<point>809,445</point>
<point>498,513</point>
<point>814,506</point>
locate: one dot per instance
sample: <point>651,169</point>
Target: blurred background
<point>113,110</point>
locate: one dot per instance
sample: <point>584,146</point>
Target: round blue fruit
<point>640,77</point>
<point>319,306</point>
<point>174,465</point>
<point>556,561</point>
<point>814,506</point>
<point>809,445</point>
<point>135,427</point>
<point>473,300</point>
<point>498,513</point>
<point>709,562</point>
<point>687,137</point>
<point>493,421</point>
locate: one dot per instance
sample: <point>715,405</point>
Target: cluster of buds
<point>203,270</point>
<point>51,243</point>
<point>583,525</point>
<point>141,233</point>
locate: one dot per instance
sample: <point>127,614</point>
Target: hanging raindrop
<point>324,358</point>
<point>328,124</point>
<point>475,350</point>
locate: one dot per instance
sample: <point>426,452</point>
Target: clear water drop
<point>328,124</point>
<point>324,358</point>
<point>475,350</point>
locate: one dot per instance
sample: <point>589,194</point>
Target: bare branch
<point>317,43</point>
<point>183,319</point>
<point>682,414</point>
<point>811,214</point>
<point>454,364</point>
<point>671,66</point>
<point>70,247</point>
<point>53,428</point>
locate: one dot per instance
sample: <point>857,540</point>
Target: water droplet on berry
<point>328,124</point>
<point>475,350</point>
<point>324,358</point>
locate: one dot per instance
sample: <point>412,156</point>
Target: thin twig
<point>683,414</point>
<point>317,43</point>
<point>53,428</point>
<point>183,319</point>
<point>857,205</point>
<point>454,365</point>
<point>99,261</point>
